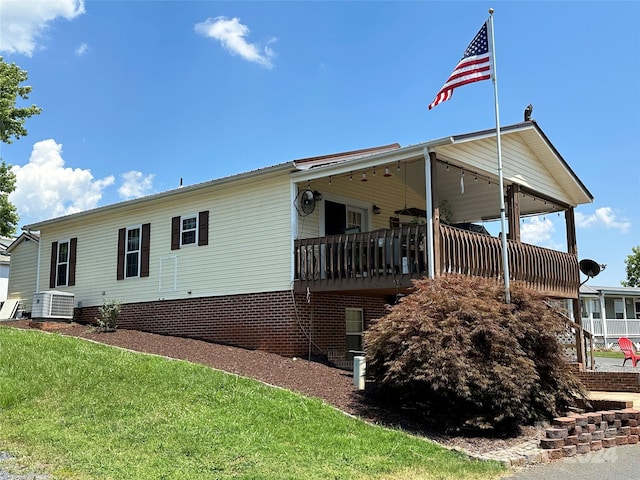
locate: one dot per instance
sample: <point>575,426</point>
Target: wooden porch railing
<point>388,258</point>
<point>552,272</point>
<point>368,258</point>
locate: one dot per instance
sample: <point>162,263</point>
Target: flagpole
<point>505,253</point>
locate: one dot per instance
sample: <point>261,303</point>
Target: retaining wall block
<point>555,432</point>
<point>583,448</point>
<point>552,443</point>
<point>565,422</point>
<point>622,440</point>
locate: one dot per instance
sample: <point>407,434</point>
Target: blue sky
<point>138,94</point>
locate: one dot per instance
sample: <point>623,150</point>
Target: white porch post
<point>429,207</point>
<point>603,317</point>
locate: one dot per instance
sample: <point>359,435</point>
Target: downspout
<point>294,229</point>
<point>427,152</point>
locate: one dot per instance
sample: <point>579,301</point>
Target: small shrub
<point>457,352</point>
<point>109,312</point>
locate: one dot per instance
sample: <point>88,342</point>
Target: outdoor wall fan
<point>306,201</point>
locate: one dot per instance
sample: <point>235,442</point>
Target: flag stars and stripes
<point>474,66</point>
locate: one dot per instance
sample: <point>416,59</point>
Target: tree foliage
<point>632,263</point>
<point>8,212</point>
<point>456,351</point>
<point>12,118</point>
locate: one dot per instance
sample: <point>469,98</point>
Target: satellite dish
<point>589,267</point>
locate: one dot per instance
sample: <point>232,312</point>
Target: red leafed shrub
<point>455,351</point>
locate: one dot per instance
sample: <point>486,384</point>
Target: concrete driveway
<point>619,463</point>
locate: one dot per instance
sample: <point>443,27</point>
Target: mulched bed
<point>333,385</point>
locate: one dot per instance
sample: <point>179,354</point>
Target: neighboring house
<point>299,257</point>
<point>5,261</point>
<point>610,313</point>
<point>23,278</point>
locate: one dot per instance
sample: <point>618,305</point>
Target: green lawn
<point>81,410</point>
<point>607,354</point>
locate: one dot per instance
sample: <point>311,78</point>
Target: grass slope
<point>89,411</point>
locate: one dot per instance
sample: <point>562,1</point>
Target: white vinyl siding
<point>519,164</point>
<point>388,193</point>
<point>249,246</point>
<point>22,279</point>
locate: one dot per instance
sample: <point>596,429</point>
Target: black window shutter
<point>175,233</point>
<point>54,264</point>
<point>73,245</point>
<point>203,228</point>
<point>144,253</point>
<point>122,233</point>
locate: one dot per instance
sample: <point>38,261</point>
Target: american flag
<point>475,65</point>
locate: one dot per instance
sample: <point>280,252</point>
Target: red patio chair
<point>629,353</point>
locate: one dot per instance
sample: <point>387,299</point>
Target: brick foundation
<point>610,381</point>
<point>267,321</point>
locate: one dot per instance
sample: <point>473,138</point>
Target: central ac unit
<point>52,305</point>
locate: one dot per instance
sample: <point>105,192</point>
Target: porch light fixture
<point>376,210</point>
<point>386,172</point>
<point>364,177</point>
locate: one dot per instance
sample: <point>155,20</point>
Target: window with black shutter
<point>190,230</point>
<point>134,251</point>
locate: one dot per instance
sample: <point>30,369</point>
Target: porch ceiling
<point>466,173</point>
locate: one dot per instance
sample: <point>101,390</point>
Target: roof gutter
<point>412,152</point>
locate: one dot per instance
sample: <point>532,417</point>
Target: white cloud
<point>46,189</point>
<point>82,49</point>
<point>135,184</point>
<point>602,217</point>
<point>538,231</point>
<point>24,23</point>
<point>231,34</point>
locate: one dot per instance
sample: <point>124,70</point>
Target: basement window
<point>354,326</point>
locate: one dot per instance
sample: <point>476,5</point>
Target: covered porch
<point>371,221</point>
<point>385,261</point>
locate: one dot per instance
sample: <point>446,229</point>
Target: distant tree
<point>8,212</point>
<point>12,120</point>
<point>633,268</point>
<point>12,117</point>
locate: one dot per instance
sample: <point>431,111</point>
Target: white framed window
<point>356,218</point>
<point>132,252</point>
<point>354,319</point>
<point>62,264</point>
<point>188,229</point>
<point>618,307</point>
<point>591,308</point>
